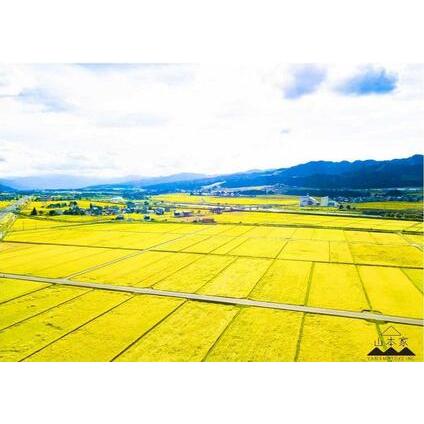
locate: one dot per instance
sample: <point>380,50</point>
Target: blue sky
<point>156,119</point>
<point>370,81</point>
<point>306,80</point>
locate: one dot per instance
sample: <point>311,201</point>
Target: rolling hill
<point>399,173</point>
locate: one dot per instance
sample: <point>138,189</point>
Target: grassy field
<point>344,267</point>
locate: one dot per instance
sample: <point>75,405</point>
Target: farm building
<point>326,201</point>
<point>308,201</point>
<point>179,214</point>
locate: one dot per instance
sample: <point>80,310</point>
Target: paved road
<point>12,208</point>
<point>225,300</point>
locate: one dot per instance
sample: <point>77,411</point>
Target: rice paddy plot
<point>404,256</point>
<point>416,276</point>
<point>337,286</point>
<point>234,230</point>
<point>89,258</point>
<point>259,247</point>
<point>209,244</point>
<point>328,235</point>
<point>336,339</point>
<point>192,277</point>
<point>25,338</point>
<point>58,261</point>
<point>391,292</point>
<point>182,243</point>
<point>414,239</point>
<point>340,252</point>
<point>117,329</point>
<point>259,335</point>
<point>229,246</point>
<point>35,257</point>
<point>388,238</point>
<point>127,272</point>
<point>281,232</point>
<point>24,307</point>
<point>28,224</point>
<point>284,282</point>
<point>186,335</point>
<point>303,234</point>
<point>10,289</point>
<point>157,271</point>
<point>359,237</point>
<point>307,250</point>
<point>238,279</point>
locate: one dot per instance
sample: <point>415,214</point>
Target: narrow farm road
<point>224,300</point>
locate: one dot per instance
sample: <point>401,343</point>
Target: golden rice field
<point>341,268</point>
<point>280,200</point>
<point>5,203</point>
<point>389,205</point>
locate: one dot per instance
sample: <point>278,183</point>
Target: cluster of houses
<point>118,210</point>
<point>311,201</point>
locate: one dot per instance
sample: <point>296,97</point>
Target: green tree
<point>34,211</point>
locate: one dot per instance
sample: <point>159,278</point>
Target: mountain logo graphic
<point>389,338</point>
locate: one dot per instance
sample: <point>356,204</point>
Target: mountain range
<point>400,173</point>
<point>361,174</point>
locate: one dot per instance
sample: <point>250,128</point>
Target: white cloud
<point>162,119</point>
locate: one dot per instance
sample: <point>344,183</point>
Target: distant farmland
<point>333,266</point>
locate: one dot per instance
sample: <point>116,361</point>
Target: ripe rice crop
<point>10,289</point>
<point>56,261</point>
<point>28,224</point>
<point>233,230</point>
<point>117,330</point>
<point>238,279</point>
<point>391,292</point>
<point>230,245</point>
<point>390,205</point>
<point>400,255</point>
<point>359,237</point>
<point>415,239</point>
<point>337,286</point>
<point>182,243</point>
<point>284,282</point>
<point>340,252</point>
<point>31,304</point>
<point>328,235</point>
<point>264,248</point>
<point>195,275</point>
<point>186,335</point>
<point>312,250</point>
<point>157,271</point>
<point>259,335</point>
<point>209,244</point>
<point>129,271</point>
<point>17,342</point>
<point>416,276</point>
<point>326,338</point>
<point>303,234</point>
<point>387,238</point>
<point>221,200</point>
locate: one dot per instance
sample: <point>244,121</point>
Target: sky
<point>115,120</point>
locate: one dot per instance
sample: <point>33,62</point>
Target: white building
<point>307,201</point>
<point>326,201</point>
